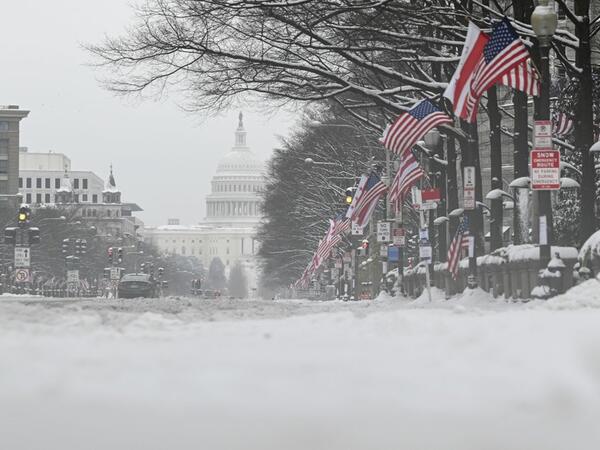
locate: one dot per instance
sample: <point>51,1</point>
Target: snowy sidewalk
<point>470,373</point>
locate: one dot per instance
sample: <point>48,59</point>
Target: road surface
<point>179,373</point>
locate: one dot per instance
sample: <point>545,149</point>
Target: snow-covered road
<point>388,374</point>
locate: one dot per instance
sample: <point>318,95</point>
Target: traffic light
<point>24,215</point>
<point>110,255</point>
<point>10,236</point>
<point>350,195</point>
<point>66,244</point>
<point>120,255</point>
<point>83,247</point>
<point>161,272</point>
<point>34,235</point>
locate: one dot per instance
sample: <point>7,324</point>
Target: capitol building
<point>233,212</point>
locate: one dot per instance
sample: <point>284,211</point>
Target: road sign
<point>425,253</point>
<point>22,257</point>
<point>22,276</point>
<point>399,237</point>
<point>115,273</point>
<point>347,258</point>
<point>338,264</point>
<point>72,276</point>
<point>416,197</point>
<point>383,251</point>
<point>543,134</point>
<point>424,234</point>
<point>384,231</point>
<point>545,169</point>
<point>393,254</point>
<point>469,187</point>
<point>356,230</point>
<point>428,206</point>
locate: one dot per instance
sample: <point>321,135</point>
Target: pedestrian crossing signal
<point>349,195</point>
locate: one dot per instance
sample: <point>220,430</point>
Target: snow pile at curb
<point>584,295</point>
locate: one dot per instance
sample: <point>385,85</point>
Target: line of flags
<point>500,57</point>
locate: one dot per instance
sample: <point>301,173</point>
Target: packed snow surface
<point>467,373</point>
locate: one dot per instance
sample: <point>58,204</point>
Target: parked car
<point>134,285</point>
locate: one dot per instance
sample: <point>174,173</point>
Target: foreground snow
<point>469,373</point>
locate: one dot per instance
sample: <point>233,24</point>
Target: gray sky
<point>163,158</point>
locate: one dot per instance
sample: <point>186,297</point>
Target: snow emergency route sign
<point>545,169</point>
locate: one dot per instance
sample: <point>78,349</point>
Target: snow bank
<point>584,295</point>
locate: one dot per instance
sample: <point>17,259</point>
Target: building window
<point>4,147</point>
<point>47,183</point>
<point>76,198</point>
<point>38,198</point>
<point>57,183</point>
<point>28,198</point>
<point>3,186</point>
<point>38,183</point>
<point>47,199</point>
<point>3,166</point>
<point>227,250</point>
<point>183,250</point>
<point>76,183</point>
<point>85,183</point>
<point>28,183</point>
<point>84,198</point>
<point>20,182</point>
<point>3,125</point>
<point>95,198</point>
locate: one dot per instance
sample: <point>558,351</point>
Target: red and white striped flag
<point>456,246</point>
<point>524,78</point>
<point>502,53</point>
<point>408,174</point>
<point>460,85</point>
<point>412,125</point>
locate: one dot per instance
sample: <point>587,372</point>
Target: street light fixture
<point>440,220</point>
<point>497,194</point>
<point>569,183</point>
<point>520,183</point>
<point>595,148</point>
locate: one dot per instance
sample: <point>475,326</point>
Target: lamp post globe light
<point>544,22</point>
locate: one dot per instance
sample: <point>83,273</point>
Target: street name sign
<point>22,257</point>
<point>545,169</point>
<point>430,198</point>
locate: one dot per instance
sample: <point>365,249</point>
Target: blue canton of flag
<point>502,36</point>
<point>423,109</point>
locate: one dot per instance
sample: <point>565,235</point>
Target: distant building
<point>233,212</point>
<point>10,118</point>
<point>41,174</point>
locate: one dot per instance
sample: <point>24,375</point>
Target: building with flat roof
<point>10,118</point>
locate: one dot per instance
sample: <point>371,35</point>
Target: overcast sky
<point>163,158</point>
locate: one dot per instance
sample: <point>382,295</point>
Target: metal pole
<point>427,276</point>
<point>542,112</point>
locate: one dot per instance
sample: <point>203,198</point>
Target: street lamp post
<point>544,22</point>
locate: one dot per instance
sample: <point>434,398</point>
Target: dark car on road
<point>134,285</point>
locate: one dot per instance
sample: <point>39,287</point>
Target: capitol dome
<point>235,198</point>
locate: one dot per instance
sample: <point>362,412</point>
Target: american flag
<point>562,125</point>
<point>369,191</point>
<point>326,246</point>
<point>503,52</point>
<point>408,174</point>
<point>341,224</point>
<point>459,241</point>
<point>524,78</point>
<point>412,125</point>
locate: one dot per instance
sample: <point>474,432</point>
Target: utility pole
<point>496,168</point>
